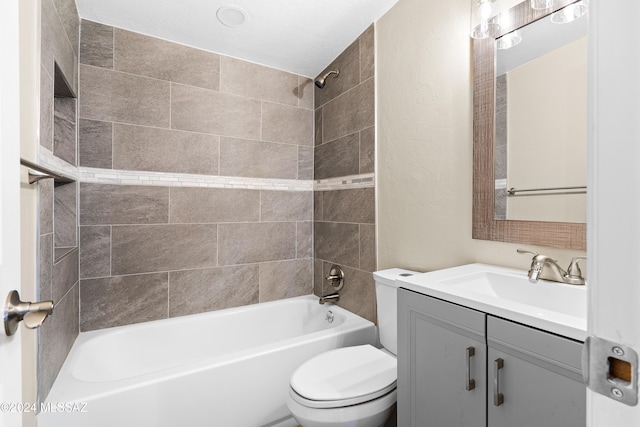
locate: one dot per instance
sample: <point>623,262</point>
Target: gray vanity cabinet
<point>441,385</point>
<point>540,378</point>
<point>521,376</point>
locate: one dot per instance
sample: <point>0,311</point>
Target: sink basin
<point>508,293</point>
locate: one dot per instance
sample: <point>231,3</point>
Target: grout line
<point>110,250</point>
<point>113,137</point>
<point>168,294</point>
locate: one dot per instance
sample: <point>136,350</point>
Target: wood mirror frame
<point>565,235</point>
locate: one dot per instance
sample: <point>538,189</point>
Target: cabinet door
<point>441,350</point>
<point>538,376</point>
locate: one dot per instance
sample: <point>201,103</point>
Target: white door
<point>10,347</point>
<point>614,195</point>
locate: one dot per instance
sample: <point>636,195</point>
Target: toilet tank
<point>387,305</point>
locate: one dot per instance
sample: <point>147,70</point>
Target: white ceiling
<point>299,36</point>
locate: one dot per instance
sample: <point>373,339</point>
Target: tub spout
<point>329,298</point>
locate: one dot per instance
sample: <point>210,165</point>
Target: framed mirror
<point>491,218</point>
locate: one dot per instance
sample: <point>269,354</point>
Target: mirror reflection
<point>540,121</point>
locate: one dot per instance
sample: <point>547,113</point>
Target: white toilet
<point>352,386</point>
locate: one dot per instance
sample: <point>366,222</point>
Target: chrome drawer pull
<point>470,383</point>
<point>498,398</point>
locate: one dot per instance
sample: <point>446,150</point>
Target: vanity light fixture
<point>541,4</point>
<point>509,40</point>
<point>571,12</point>
<point>483,19</point>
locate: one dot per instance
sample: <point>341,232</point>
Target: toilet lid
<point>345,373</point>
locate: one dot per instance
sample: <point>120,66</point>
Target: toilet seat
<point>344,377</point>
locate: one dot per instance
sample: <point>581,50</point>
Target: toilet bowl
<point>352,386</point>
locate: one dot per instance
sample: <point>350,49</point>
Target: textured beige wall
<point>424,142</point>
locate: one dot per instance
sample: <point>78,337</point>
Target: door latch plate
<point>611,369</point>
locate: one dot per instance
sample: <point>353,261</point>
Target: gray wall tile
<point>123,204</point>
<point>337,158</point>
<point>212,205</point>
<point>348,62</point>
<point>257,81</point>
<point>64,129</point>
<point>367,54</point>
<point>123,300</point>
<point>55,46</point>
<point>285,279</point>
<point>46,267</point>
<point>58,44</point>
<point>256,242</point>
<point>45,195</point>
<point>148,56</point>
<point>317,205</point>
<point>207,289</point>
<point>95,251</point>
<point>149,248</point>
<point>258,159</point>
<point>359,294</point>
<point>305,162</point>
<point>70,21</point>
<point>96,44</point>
<point>164,150</point>
<point>207,111</point>
<point>95,144</point>
<point>337,242</point>
<point>291,125</point>
<point>353,205</point>
<point>286,206</point>
<point>65,275</point>
<point>114,96</point>
<point>250,140</point>
<point>367,150</point>
<point>351,112</point>
<point>305,92</point>
<point>55,338</point>
<point>304,239</point>
<point>46,109</point>
<point>317,138</point>
<point>368,247</point>
<point>65,215</point>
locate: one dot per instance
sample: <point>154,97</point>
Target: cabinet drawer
<point>466,320</point>
<point>559,354</point>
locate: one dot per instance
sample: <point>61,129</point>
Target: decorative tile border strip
<point>500,184</point>
<point>164,179</point>
<point>345,182</point>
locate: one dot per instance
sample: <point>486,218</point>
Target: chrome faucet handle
<point>524,251</point>
<point>335,278</point>
<point>574,269</point>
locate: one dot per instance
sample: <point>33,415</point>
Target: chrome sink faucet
<point>546,268</point>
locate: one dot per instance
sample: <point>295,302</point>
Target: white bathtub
<point>228,368</point>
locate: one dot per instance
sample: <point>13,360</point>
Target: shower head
<point>323,80</point>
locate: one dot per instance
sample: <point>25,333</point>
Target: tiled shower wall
<point>150,251</point>
<point>344,200</point>
<point>58,258</point>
